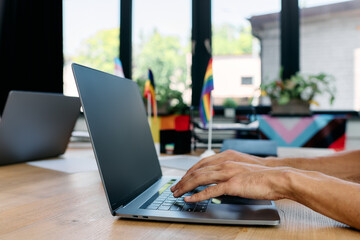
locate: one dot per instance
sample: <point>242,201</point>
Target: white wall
<point>357,78</point>
<point>270,51</point>
<point>327,44</point>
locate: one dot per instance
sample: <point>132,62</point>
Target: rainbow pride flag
<point>208,86</point>
<point>149,89</point>
<point>118,68</point>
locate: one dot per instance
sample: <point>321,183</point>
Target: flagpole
<point>209,152</point>
<point>210,123</point>
<point>149,107</point>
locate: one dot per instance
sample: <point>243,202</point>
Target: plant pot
<point>293,107</point>
<point>164,108</point>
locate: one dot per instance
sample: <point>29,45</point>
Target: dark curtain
<point>201,46</point>
<point>290,38</point>
<point>31,46</point>
<point>125,50</point>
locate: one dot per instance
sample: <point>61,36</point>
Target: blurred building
<point>236,77</point>
<point>329,42</point>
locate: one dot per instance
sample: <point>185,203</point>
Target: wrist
<point>286,182</point>
<point>298,163</point>
<point>282,182</point>
<point>296,182</point>
<point>276,162</point>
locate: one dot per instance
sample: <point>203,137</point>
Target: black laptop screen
<point>120,134</point>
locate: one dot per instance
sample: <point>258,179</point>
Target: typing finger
<point>228,155</point>
<point>203,178</point>
<point>212,160</point>
<point>207,193</point>
<point>188,176</point>
<point>202,162</point>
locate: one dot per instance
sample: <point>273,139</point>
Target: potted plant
<point>294,95</point>
<point>229,107</point>
<point>169,101</point>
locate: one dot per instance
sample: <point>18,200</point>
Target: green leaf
<point>284,99</point>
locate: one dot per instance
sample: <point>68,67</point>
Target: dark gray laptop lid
<point>120,134</point>
<point>36,125</point>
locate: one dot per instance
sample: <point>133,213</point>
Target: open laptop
<point>36,125</point>
<point>129,166</point>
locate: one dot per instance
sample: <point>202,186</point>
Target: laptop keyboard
<point>165,201</point>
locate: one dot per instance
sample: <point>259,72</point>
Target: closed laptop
<point>36,125</point>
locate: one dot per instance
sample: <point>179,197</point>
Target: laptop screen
<point>120,134</point>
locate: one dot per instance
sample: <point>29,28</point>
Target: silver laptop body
<point>36,125</point>
<point>129,166</point>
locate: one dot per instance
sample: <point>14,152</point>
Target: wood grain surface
<point>37,203</point>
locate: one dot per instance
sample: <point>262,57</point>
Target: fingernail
<point>175,193</point>
<point>187,198</point>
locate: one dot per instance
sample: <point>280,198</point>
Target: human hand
<point>228,155</point>
<point>235,179</point>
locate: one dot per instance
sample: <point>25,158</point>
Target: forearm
<point>335,198</point>
<point>344,165</point>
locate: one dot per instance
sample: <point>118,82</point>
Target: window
<point>330,43</point>
<point>91,36</point>
<point>161,42</point>
<point>245,42</point>
<point>246,80</point>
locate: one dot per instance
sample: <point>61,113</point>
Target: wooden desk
<point>37,203</point>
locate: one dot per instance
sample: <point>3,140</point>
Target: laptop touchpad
<point>224,199</point>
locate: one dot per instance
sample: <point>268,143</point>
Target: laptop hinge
<point>122,206</point>
<point>133,199</point>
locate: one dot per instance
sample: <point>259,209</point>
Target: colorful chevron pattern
<point>323,131</point>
